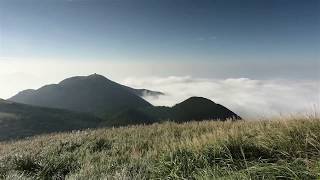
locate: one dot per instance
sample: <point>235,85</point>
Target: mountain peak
<point>96,76</point>
<point>202,108</point>
<point>197,98</point>
<point>92,77</point>
<point>194,100</point>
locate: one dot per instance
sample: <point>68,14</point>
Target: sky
<point>273,42</point>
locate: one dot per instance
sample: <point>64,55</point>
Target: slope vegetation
<point>277,149</point>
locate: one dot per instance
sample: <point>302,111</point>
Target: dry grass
<point>287,148</point>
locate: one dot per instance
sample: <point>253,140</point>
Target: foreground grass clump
<point>277,149</point>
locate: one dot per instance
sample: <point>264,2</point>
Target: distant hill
<point>199,108</point>
<point>192,109</point>
<point>20,120</point>
<point>94,94</point>
<point>115,104</point>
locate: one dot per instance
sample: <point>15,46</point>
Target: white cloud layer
<point>249,98</point>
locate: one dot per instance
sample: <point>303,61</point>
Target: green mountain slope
<point>20,120</point>
<point>94,94</point>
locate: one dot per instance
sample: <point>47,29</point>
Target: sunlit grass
<point>286,148</point>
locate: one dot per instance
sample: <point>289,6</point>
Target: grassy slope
<point>197,150</point>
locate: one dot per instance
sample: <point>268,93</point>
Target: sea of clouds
<point>247,97</point>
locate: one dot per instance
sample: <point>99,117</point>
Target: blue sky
<point>162,30</point>
<point>258,39</point>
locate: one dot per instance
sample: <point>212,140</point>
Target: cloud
<point>247,97</point>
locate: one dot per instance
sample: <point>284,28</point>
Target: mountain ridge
<point>107,99</point>
<point>191,109</point>
<point>21,120</point>
<point>104,101</point>
<point>139,92</point>
<point>94,93</point>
